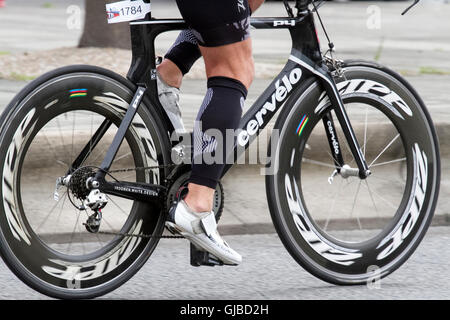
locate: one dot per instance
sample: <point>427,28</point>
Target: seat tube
<point>120,135</point>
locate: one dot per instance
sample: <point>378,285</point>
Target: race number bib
<point>127,11</point>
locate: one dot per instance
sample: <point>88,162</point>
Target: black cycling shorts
<point>217,22</point>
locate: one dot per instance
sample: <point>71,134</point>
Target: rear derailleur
<point>80,187</point>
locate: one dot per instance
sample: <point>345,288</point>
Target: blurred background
<point>37,36</point>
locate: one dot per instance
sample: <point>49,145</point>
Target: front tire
<point>320,228</point>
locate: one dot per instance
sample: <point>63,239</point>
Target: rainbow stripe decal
<point>76,93</point>
<point>302,125</point>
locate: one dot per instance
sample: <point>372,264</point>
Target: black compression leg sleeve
<point>221,110</point>
<point>184,52</point>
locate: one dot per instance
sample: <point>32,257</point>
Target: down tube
<point>264,109</point>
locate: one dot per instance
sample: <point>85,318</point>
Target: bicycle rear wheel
<point>340,228</point>
<point>43,241</point>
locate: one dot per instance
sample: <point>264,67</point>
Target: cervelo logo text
<point>138,98</point>
<point>280,94</point>
<point>278,23</point>
<point>333,137</point>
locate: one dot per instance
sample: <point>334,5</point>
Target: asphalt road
<point>267,273</point>
<point>416,45</point>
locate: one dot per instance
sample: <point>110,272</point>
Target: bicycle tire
<point>340,262</point>
<point>28,256</point>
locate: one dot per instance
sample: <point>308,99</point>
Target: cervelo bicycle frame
<point>305,61</point>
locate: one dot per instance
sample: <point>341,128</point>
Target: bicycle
<point>392,153</point>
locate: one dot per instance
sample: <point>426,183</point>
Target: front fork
<point>341,114</point>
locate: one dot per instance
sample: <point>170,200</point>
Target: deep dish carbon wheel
<point>340,228</point>
<point>43,238</point>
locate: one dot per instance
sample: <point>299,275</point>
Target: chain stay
<point>140,168</point>
<point>145,236</point>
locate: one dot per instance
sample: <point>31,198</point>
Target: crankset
<point>179,185</point>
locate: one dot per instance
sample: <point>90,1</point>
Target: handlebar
<point>302,5</point>
<point>410,7</point>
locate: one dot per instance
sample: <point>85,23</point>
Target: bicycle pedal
<point>203,258</point>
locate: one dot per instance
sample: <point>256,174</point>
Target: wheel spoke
<point>384,200</point>
<point>371,197</point>
<point>62,207</point>
<point>123,156</point>
<point>384,150</point>
<point>73,233</point>
<point>389,162</point>
<point>365,133</point>
<point>73,136</point>
<point>82,238</point>
<point>61,137</point>
<point>102,153</point>
<point>120,208</point>
<point>48,215</point>
<point>332,205</point>
<point>53,150</point>
<point>319,163</point>
<point>354,205</point>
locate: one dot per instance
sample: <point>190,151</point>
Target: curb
<point>50,145</point>
<point>228,230</point>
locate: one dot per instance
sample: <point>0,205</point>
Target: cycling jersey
<point>217,23</point>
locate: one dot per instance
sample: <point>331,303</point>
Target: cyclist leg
<point>184,53</point>
<point>222,30</point>
<point>180,58</point>
<point>224,63</point>
<point>177,62</point>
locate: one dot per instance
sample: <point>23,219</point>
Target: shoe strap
<point>209,224</point>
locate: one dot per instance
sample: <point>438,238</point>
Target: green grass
<point>379,50</point>
<point>432,70</point>
<point>21,77</point>
<point>47,5</point>
<point>407,72</point>
<point>4,53</point>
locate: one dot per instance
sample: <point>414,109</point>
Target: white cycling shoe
<point>201,230</point>
<point>170,99</point>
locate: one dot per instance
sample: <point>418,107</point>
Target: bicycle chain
<point>144,236</point>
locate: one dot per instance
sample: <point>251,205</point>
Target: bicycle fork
<point>338,106</point>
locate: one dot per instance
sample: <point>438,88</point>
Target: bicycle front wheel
<point>43,237</point>
<point>341,228</point>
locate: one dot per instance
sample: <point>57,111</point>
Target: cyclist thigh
<point>217,23</point>
<point>233,61</point>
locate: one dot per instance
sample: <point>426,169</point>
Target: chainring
<point>182,181</point>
